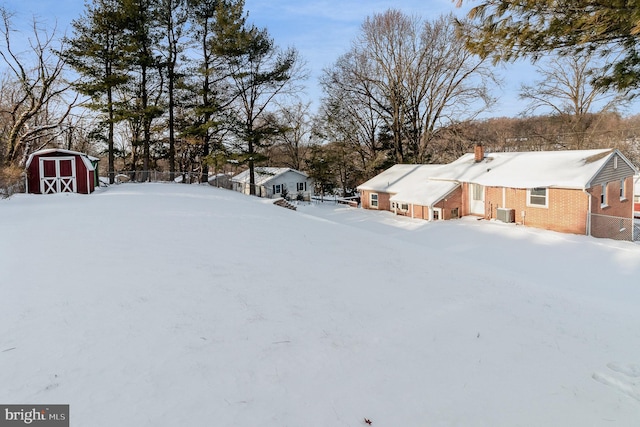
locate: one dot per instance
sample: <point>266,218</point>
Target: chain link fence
<point>613,227</point>
<point>219,180</point>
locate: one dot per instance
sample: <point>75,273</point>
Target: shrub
<point>11,180</point>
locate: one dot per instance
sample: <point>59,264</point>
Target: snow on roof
<point>427,194</point>
<point>561,169</point>
<point>400,178</point>
<point>86,159</point>
<point>264,174</point>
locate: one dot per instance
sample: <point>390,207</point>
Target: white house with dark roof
<point>578,191</point>
<point>275,182</point>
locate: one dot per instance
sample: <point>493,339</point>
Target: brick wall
<point>383,200</point>
<point>615,206</point>
<point>566,211</point>
<point>451,203</point>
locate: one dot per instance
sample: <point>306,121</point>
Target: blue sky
<point>321,30</point>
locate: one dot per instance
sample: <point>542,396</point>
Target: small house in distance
<point>60,171</point>
<point>275,182</point>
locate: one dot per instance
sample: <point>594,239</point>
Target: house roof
<point>427,194</point>
<point>560,169</point>
<point>400,178</point>
<point>265,174</point>
<point>86,159</point>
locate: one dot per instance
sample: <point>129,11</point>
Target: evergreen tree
<point>97,52</point>
<point>510,29</point>
<point>172,17</point>
<point>258,72</point>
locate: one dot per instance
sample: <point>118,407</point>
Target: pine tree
<point>507,29</point>
<point>96,51</point>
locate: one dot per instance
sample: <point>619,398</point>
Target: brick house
<point>580,191</point>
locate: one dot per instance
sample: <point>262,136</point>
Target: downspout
<point>588,230</point>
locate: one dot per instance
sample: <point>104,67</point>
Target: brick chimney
<point>479,152</point>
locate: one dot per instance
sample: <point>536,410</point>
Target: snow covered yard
<point>167,305</point>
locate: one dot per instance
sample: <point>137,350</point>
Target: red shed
<point>60,171</point>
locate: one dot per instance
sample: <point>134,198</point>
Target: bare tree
<point>260,73</point>
<point>565,90</point>
<point>350,115</point>
<point>293,141</point>
<point>417,76</point>
<point>37,106</point>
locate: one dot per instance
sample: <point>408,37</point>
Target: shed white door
<point>58,175</point>
<point>476,199</point>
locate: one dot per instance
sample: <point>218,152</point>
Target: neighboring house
<point>581,192</point>
<point>61,171</point>
<point>275,182</point>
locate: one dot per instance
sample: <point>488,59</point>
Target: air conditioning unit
<point>506,215</point>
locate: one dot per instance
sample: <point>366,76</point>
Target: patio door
<point>58,175</point>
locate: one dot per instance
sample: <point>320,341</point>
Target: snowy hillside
<point>171,305</point>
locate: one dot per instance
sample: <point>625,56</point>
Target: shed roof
<point>86,159</point>
<point>265,174</point>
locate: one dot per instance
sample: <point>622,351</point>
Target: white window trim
<point>533,205</point>
<point>603,196</point>
<point>436,211</point>
<point>377,205</point>
<point>623,189</point>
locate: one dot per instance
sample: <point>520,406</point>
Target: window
<point>404,207</point>
<point>301,186</point>
<point>277,188</point>
<point>436,215</point>
<point>603,195</point>
<point>478,192</point>
<point>622,189</point>
<point>454,213</point>
<point>537,197</point>
<point>373,200</point>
